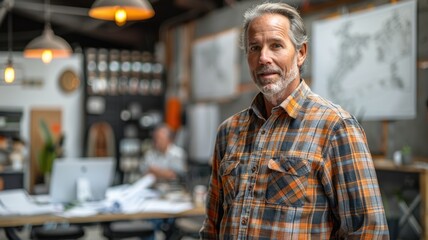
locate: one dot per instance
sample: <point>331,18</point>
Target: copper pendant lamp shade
<point>127,10</point>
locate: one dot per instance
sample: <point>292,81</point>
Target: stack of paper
<point>138,197</point>
<point>18,202</point>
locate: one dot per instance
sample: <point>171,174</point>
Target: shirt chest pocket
<point>229,172</point>
<point>288,180</point>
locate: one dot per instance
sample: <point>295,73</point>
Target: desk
<point>422,172</point>
<point>10,222</point>
<point>16,221</point>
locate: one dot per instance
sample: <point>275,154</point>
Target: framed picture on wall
<point>215,68</point>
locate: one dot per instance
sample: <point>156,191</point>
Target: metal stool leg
<point>11,233</point>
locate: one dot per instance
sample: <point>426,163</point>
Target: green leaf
<point>47,154</point>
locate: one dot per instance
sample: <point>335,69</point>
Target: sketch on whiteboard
<point>366,62</point>
<point>215,65</point>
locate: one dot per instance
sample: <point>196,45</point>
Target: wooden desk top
<point>14,221</point>
<point>388,165</point>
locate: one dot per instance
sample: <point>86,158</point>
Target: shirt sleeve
<point>148,158</point>
<point>356,200</point>
<point>178,161</point>
<point>214,210</point>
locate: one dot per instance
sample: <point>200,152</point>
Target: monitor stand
<point>84,192</point>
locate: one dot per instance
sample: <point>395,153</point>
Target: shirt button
<point>263,131</point>
<point>250,187</point>
<point>253,169</point>
<point>244,221</point>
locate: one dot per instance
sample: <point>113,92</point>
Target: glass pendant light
<point>9,72</point>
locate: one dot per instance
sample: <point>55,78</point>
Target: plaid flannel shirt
<point>304,173</point>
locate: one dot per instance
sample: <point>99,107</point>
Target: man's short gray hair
<point>297,31</point>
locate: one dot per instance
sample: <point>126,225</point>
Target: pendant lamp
<point>121,11</point>
<point>48,45</point>
<point>10,70</point>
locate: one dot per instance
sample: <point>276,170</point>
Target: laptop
<point>70,175</point>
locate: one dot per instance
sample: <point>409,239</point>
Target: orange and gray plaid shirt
<point>304,173</point>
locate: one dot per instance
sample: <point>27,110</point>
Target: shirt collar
<point>292,104</point>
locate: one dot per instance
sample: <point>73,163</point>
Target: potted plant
<point>406,153</point>
<point>49,152</point>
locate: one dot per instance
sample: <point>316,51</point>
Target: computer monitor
<point>69,173</point>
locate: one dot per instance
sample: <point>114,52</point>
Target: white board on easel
<point>366,61</point>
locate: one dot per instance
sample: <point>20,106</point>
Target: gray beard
<point>277,95</point>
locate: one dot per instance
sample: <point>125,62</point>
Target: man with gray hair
<point>292,165</point>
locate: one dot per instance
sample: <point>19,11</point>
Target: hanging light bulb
<point>48,45</point>
<point>9,73</point>
<point>120,17</point>
<point>121,11</point>
<point>47,56</point>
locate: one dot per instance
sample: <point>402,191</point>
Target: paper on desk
<point>166,206</point>
<point>17,201</point>
<point>4,211</point>
<point>158,206</point>
<point>41,198</point>
<point>79,211</point>
<point>138,197</point>
<point>139,188</point>
<point>129,197</point>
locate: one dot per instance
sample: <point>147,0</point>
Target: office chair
<point>188,227</point>
<point>128,229</point>
<point>10,233</point>
<point>57,232</point>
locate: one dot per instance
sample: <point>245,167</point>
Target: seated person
<point>165,160</point>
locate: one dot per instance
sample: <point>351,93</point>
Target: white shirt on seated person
<point>165,160</point>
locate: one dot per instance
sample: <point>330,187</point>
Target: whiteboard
<point>204,119</point>
<point>215,66</point>
<point>366,61</point>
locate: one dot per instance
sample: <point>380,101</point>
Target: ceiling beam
<point>60,9</point>
<point>314,8</point>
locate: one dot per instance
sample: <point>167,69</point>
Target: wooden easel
<point>384,138</point>
<point>384,135</point>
